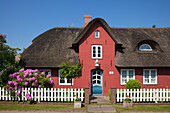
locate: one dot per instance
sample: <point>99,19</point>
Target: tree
<point>8,64</point>
<point>68,71</point>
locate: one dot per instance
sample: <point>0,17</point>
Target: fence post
<point>113,95</point>
<point>87,100</point>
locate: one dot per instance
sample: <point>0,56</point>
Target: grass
<point>135,108</point>
<point>34,107</point>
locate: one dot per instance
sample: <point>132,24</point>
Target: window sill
<point>149,84</point>
<point>65,84</point>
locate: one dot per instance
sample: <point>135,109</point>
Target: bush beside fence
<point>43,94</point>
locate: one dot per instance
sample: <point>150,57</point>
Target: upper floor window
<point>150,76</point>
<point>97,34</point>
<point>96,51</point>
<point>65,81</point>
<point>145,47</point>
<point>126,75</point>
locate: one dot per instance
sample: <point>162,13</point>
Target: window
<point>145,47</point>
<point>46,71</point>
<point>64,81</point>
<point>96,51</point>
<point>97,34</point>
<point>126,75</point>
<point>150,76</point>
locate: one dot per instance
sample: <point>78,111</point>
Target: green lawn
<point>159,108</point>
<point>33,107</point>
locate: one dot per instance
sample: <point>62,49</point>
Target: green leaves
<point>68,71</point>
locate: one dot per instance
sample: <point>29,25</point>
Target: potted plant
<point>127,102</point>
<point>77,102</point>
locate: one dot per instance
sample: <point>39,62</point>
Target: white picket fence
<point>44,94</point>
<point>144,95</point>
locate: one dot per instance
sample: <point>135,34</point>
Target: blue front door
<point>97,82</point>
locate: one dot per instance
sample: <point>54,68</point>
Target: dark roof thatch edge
<point>105,25</point>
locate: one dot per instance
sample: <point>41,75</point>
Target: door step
<point>98,100</point>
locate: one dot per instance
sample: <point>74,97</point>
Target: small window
<point>97,34</point>
<point>64,81</point>
<point>126,75</point>
<point>150,76</point>
<point>145,47</point>
<point>46,72</point>
<point>96,51</point>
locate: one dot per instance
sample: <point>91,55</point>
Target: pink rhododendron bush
<point>27,78</point>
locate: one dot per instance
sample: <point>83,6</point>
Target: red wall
<point>108,56</point>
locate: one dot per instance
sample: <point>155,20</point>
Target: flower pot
<point>127,104</point>
<point>77,104</point>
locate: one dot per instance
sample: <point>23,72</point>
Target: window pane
<point>123,72</point>
<point>98,77</point>
<point>68,80</point>
<point>98,81</point>
<point>146,73</point>
<point>146,80</point>
<point>99,55</point>
<point>123,80</point>
<point>153,74</point>
<point>94,82</point>
<point>98,72</point>
<point>94,77</point>
<point>131,72</point>
<point>153,80</point>
<point>94,55</point>
<point>130,76</point>
<point>62,80</point>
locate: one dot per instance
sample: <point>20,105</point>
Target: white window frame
<point>127,76</point>
<point>149,76</point>
<point>97,34</point>
<point>65,79</point>
<point>145,49</point>
<point>96,51</point>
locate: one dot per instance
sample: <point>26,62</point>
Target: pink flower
<point>26,83</point>
<point>20,88</point>
<point>15,87</point>
<point>9,82</point>
<point>21,70</point>
<point>15,83</point>
<point>48,75</point>
<point>18,76</point>
<point>30,74</point>
<point>36,81</point>
<point>51,81</point>
<point>33,83</point>
<point>39,86</point>
<point>42,73</point>
<point>21,79</point>
<point>18,93</point>
<point>28,79</point>
<point>30,98</point>
<point>25,75</point>
<point>6,100</point>
<point>11,75</point>
<point>36,74</point>
<point>10,88</point>
<point>27,94</point>
<point>36,70</point>
<point>33,78</point>
<point>27,97</point>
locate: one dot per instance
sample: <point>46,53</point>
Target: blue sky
<point>23,20</point>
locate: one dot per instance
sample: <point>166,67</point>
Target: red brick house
<point>109,56</point>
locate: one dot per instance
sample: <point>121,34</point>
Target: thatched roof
<point>52,48</point>
<point>59,45</point>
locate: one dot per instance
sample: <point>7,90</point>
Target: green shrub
<point>133,84</point>
<point>109,94</point>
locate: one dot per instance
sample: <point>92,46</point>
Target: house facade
<point>109,56</point>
